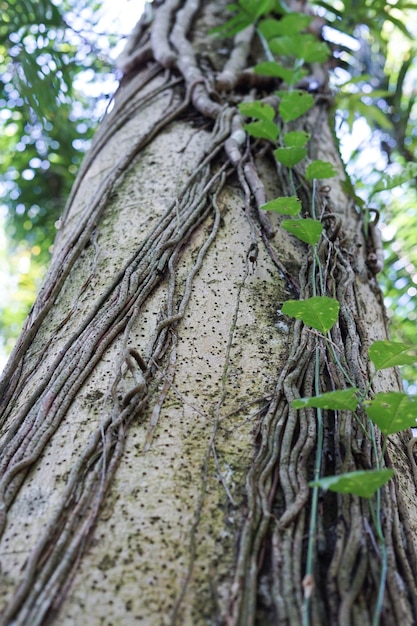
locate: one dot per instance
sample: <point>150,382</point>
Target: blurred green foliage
<point>400,272</point>
<point>50,54</point>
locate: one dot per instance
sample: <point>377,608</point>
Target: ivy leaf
<point>320,169</point>
<point>294,104</point>
<point>290,24</point>
<point>385,354</point>
<point>304,46</point>
<point>263,129</point>
<point>320,312</point>
<point>296,138</point>
<point>286,205</point>
<point>307,230</point>
<point>258,110</point>
<point>392,411</point>
<point>362,483</point>
<point>290,156</point>
<point>271,68</point>
<point>344,399</point>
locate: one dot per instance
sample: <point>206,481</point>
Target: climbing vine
<point>391,412</point>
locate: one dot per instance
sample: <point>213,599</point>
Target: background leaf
<point>55,82</point>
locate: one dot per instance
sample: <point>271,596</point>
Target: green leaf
<point>271,68</point>
<point>262,129</point>
<point>294,104</point>
<point>290,24</point>
<point>286,205</point>
<point>254,9</point>
<point>258,110</point>
<point>290,156</point>
<point>362,483</point>
<point>233,26</point>
<point>354,80</point>
<point>408,172</point>
<point>392,411</point>
<point>307,230</point>
<point>372,114</point>
<point>385,354</point>
<point>296,138</point>
<point>320,169</point>
<point>305,47</point>
<point>344,399</point>
<point>399,23</point>
<point>320,312</point>
<point>263,7</point>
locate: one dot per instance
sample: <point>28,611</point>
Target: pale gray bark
<point>151,468</point>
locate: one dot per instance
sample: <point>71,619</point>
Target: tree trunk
<point>152,468</point>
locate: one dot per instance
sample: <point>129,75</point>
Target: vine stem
<point>317,465</point>
<point>315,495</point>
<point>376,518</point>
<point>265,46</point>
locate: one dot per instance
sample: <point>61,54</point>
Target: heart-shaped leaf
<point>290,156</point>
<point>296,138</point>
<point>392,411</point>
<point>408,171</point>
<point>290,24</point>
<point>258,110</point>
<point>271,68</point>
<point>320,169</point>
<point>385,354</point>
<point>286,205</point>
<point>294,104</point>
<point>320,312</point>
<point>301,46</point>
<point>307,230</point>
<point>362,483</point>
<point>343,399</point>
<point>262,129</point>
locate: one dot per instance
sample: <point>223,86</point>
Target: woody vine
<point>316,226</point>
<point>317,414</point>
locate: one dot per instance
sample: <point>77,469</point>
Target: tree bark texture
<point>152,468</point>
